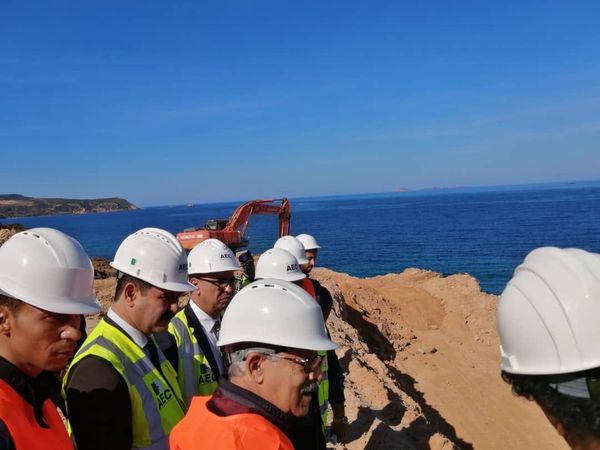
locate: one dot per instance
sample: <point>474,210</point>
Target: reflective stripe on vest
<point>323,392</point>
<point>194,374</point>
<point>26,433</point>
<point>156,404</point>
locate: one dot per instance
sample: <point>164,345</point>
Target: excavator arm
<point>234,231</point>
<point>239,218</point>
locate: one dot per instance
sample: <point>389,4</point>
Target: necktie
<point>152,352</point>
<point>216,328</point>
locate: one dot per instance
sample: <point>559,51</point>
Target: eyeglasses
<point>308,364</point>
<point>219,282</point>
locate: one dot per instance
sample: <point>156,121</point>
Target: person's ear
<point>254,367</point>
<point>195,282</point>
<point>130,293</point>
<point>5,320</point>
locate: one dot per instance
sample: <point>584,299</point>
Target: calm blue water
<point>485,232</point>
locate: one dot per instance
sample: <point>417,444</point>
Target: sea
<point>485,232</point>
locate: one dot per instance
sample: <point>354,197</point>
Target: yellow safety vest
<point>194,373</point>
<point>323,393</point>
<point>156,402</point>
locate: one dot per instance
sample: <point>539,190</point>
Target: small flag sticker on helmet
<point>133,261</point>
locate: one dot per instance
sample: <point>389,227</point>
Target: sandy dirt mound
<point>421,354</point>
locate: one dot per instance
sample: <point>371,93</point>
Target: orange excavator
<point>232,232</point>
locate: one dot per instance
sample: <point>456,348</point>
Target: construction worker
<point>271,335</point>
<point>46,283</point>
<point>279,264</point>
<point>121,391</point>
<point>311,249</point>
<point>335,378</point>
<point>246,276</point>
<point>294,246</point>
<point>194,351</point>
<point>549,335</point>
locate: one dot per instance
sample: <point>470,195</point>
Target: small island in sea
<point>15,205</point>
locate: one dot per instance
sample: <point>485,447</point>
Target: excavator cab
<point>215,224</point>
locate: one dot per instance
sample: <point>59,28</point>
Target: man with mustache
<point>271,334</point>
<point>194,330</point>
<point>46,283</point>
<point>122,392</point>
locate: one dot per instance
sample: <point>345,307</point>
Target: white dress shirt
<point>136,335</point>
<point>208,323</point>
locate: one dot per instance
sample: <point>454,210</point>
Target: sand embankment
<point>421,351</point>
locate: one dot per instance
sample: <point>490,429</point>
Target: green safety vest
<point>194,373</point>
<point>156,402</point>
<point>323,393</point>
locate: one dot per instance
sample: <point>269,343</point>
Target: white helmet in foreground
<point>548,315</point>
<point>48,269</point>
<point>294,246</point>
<point>275,312</point>
<point>211,256</point>
<point>309,242</point>
<point>156,257</point>
<point>278,264</point>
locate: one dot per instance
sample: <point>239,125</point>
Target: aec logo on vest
<point>206,375</point>
<point>162,395</point>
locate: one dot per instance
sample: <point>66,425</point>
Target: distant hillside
<point>14,205</point>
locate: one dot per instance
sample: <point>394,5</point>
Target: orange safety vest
<point>26,433</point>
<point>309,287</point>
<point>200,428</point>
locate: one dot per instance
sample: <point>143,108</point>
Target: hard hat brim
<point>86,305</point>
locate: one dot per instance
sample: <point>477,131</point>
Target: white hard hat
<point>309,242</point>
<point>275,312</point>
<point>155,256</point>
<point>549,313</point>
<point>279,264</point>
<point>211,256</point>
<point>49,270</point>
<point>294,246</point>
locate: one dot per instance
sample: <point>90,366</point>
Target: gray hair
<point>236,360</point>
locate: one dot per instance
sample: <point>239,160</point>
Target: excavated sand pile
<point>421,355</point>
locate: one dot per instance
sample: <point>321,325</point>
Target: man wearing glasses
<point>272,334</point>
<point>193,332</point>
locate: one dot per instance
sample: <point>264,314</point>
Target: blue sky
<point>176,102</point>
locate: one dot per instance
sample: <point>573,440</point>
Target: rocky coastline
<point>15,205</point>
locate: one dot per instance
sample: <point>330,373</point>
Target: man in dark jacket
<point>46,282</point>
